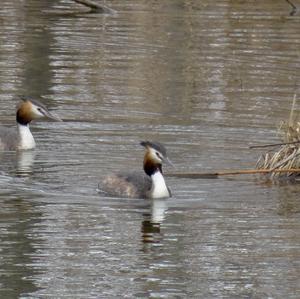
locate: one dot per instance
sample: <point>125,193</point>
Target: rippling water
<point>206,79</point>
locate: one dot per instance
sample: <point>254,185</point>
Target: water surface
<point>207,80</point>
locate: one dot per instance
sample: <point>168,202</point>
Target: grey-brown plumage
<point>121,185</point>
<point>147,184</point>
<point>9,139</point>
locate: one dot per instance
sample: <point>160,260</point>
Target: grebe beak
<point>168,161</point>
<point>52,115</point>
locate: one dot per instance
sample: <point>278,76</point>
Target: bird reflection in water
<point>25,162</point>
<point>153,220</point>
<point>19,163</point>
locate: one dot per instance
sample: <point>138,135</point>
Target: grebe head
<point>155,155</point>
<point>28,110</point>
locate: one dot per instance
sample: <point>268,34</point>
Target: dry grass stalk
<point>287,156</point>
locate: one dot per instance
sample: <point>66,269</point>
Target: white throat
<point>26,140</point>
<point>159,188</point>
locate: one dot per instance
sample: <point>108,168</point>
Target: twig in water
<point>95,7</point>
<point>294,8</point>
<point>199,175</point>
<point>273,144</point>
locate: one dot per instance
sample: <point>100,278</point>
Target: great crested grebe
<point>150,184</point>
<point>20,138</point>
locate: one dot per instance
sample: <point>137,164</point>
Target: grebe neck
<point>26,140</point>
<point>159,188</point>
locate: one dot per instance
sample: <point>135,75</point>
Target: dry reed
<point>286,156</point>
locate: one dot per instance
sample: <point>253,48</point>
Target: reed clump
<point>284,156</point>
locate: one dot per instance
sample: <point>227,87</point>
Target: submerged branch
<point>95,7</point>
<point>199,175</point>
<point>273,144</point>
<point>294,8</point>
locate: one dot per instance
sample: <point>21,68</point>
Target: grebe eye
<point>158,155</point>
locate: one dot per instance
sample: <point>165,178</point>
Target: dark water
<point>205,78</point>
